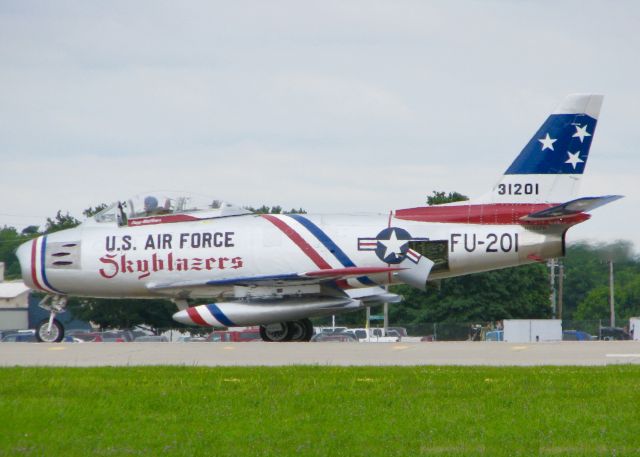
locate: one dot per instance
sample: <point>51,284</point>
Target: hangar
<point>14,303</point>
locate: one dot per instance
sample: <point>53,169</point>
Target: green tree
<point>93,210</point>
<point>10,239</point>
<point>587,271</point>
<point>61,222</point>
<point>594,306</point>
<point>276,209</point>
<point>510,293</point>
<point>439,198</point>
<point>125,313</point>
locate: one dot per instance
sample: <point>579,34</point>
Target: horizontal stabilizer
<point>580,205</point>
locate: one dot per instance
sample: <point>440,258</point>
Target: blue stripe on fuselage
<point>330,245</point>
<point>43,252</point>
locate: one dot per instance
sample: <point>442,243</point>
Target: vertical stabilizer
<point>549,168</point>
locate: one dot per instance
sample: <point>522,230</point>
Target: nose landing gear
<point>51,330</point>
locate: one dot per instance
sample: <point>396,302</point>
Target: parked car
<point>191,339</point>
<point>84,336</point>
<point>374,335</point>
<point>21,336</point>
<point>401,331</point>
<point>235,336</point>
<point>329,329</point>
<point>576,335</point>
<point>151,339</point>
<point>613,334</point>
<point>333,337</point>
<point>494,335</point>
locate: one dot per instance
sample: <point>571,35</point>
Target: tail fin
<point>549,168</point>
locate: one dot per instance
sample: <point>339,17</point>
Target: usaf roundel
<point>391,244</point>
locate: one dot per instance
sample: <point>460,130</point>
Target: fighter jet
<point>279,270</point>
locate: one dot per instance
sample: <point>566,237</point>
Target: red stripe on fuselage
<point>299,241</point>
<point>34,258</point>
<point>490,214</point>
<point>196,318</point>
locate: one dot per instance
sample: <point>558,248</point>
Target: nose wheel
<point>51,330</point>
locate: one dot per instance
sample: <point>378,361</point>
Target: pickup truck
<point>374,335</point>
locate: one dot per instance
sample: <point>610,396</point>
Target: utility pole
<point>386,313</point>
<point>612,308</point>
<point>552,284</point>
<point>560,287</point>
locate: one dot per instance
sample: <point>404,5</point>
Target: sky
<point>332,106</point>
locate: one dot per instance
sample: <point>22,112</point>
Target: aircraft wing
<point>571,208</point>
<point>309,277</point>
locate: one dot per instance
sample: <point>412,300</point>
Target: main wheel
<point>44,335</point>
<point>309,329</point>
<point>297,331</point>
<point>275,332</point>
<point>301,330</point>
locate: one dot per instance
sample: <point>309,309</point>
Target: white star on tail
<point>581,132</point>
<point>547,142</point>
<point>393,245</point>
<point>574,159</point>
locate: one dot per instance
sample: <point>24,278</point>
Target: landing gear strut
<point>50,330</point>
<point>301,330</point>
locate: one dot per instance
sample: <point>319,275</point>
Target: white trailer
<point>532,330</point>
<point>634,328</point>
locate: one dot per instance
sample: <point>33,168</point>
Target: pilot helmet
<point>150,203</point>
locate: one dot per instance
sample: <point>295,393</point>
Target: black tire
<point>272,334</point>
<point>54,336</point>
<point>309,329</point>
<point>297,331</point>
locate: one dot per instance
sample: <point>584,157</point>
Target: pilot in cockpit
<point>151,207</point>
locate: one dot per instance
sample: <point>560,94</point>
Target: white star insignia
<point>574,159</point>
<point>547,142</point>
<point>393,245</point>
<point>581,132</point>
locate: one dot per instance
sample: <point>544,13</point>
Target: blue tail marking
<point>560,146</point>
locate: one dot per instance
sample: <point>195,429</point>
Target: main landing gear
<point>50,330</point>
<point>301,330</point>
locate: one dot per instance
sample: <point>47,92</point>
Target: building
<point>14,303</point>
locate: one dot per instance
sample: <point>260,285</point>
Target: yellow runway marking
<point>519,348</point>
<point>400,347</point>
<point>228,347</point>
<point>57,348</point>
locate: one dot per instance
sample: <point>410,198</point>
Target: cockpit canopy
<point>161,207</point>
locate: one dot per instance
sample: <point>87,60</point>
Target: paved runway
<point>345,354</point>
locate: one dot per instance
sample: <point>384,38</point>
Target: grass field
<point>323,411</point>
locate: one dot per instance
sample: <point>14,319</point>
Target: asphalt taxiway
<point>342,354</point>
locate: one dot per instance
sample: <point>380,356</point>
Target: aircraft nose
<point>24,255</point>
